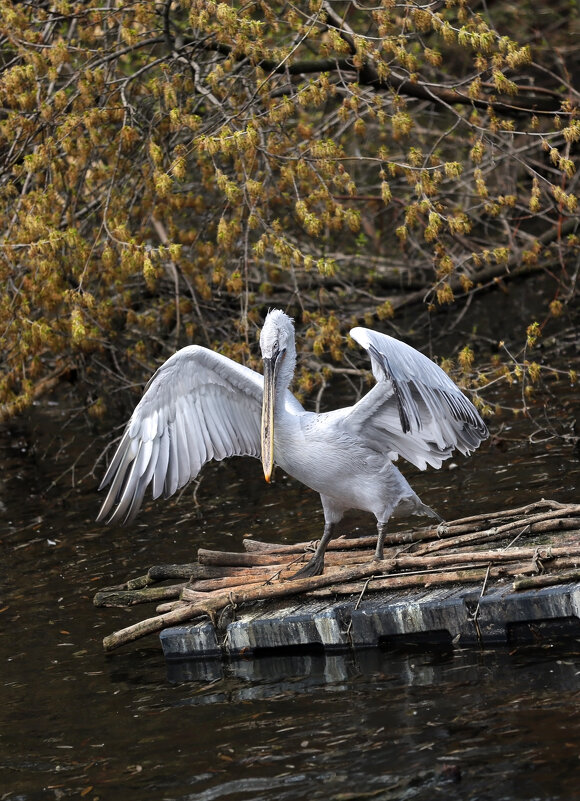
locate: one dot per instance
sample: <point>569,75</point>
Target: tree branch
<point>544,103</point>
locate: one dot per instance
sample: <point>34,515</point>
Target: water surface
<point>76,723</point>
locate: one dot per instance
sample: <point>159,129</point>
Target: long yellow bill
<point>268,418</point>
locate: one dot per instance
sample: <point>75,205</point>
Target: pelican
<point>200,405</point>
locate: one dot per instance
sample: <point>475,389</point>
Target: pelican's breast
<point>316,450</point>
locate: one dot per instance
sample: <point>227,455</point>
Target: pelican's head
<point>276,337</point>
<point>276,333</point>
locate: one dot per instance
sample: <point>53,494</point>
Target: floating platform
<point>454,617</point>
<point>496,578</point>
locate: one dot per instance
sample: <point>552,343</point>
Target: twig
<point>476,612</point>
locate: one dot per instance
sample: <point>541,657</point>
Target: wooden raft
<point>469,580</point>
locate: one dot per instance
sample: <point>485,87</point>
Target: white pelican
<point>201,405</point>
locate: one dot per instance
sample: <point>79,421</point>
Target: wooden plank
<point>457,617</point>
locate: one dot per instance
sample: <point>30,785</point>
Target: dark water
<point>76,723</point>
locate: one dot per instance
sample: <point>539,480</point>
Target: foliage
<point>172,169</point>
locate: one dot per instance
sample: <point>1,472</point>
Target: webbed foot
<point>314,567</point>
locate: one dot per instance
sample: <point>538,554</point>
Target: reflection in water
<point>378,724</point>
<point>270,676</point>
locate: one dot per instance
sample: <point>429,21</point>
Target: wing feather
<point>182,448</point>
<point>216,427</point>
<point>193,450</point>
<point>172,475</point>
<point>160,466</point>
<point>198,406</point>
<point>232,438</point>
<point>415,409</point>
<point>143,482</point>
<point>199,432</point>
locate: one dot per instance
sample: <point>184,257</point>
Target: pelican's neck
<point>286,372</point>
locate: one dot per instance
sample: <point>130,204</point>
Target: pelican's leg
<point>315,565</point>
<point>382,531</point>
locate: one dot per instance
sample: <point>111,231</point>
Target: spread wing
<point>198,406</point>
<point>415,410</point>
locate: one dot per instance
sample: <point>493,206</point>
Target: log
<point>193,570</point>
<point>256,574</point>
<point>163,572</point>
<point>520,511</point>
<point>189,594</point>
<point>534,554</point>
<point>341,543</point>
<point>547,580</point>
<point>258,546</point>
<point>136,583</point>
<point>235,559</point>
<point>134,597</point>
<point>160,609</point>
<point>424,578</point>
